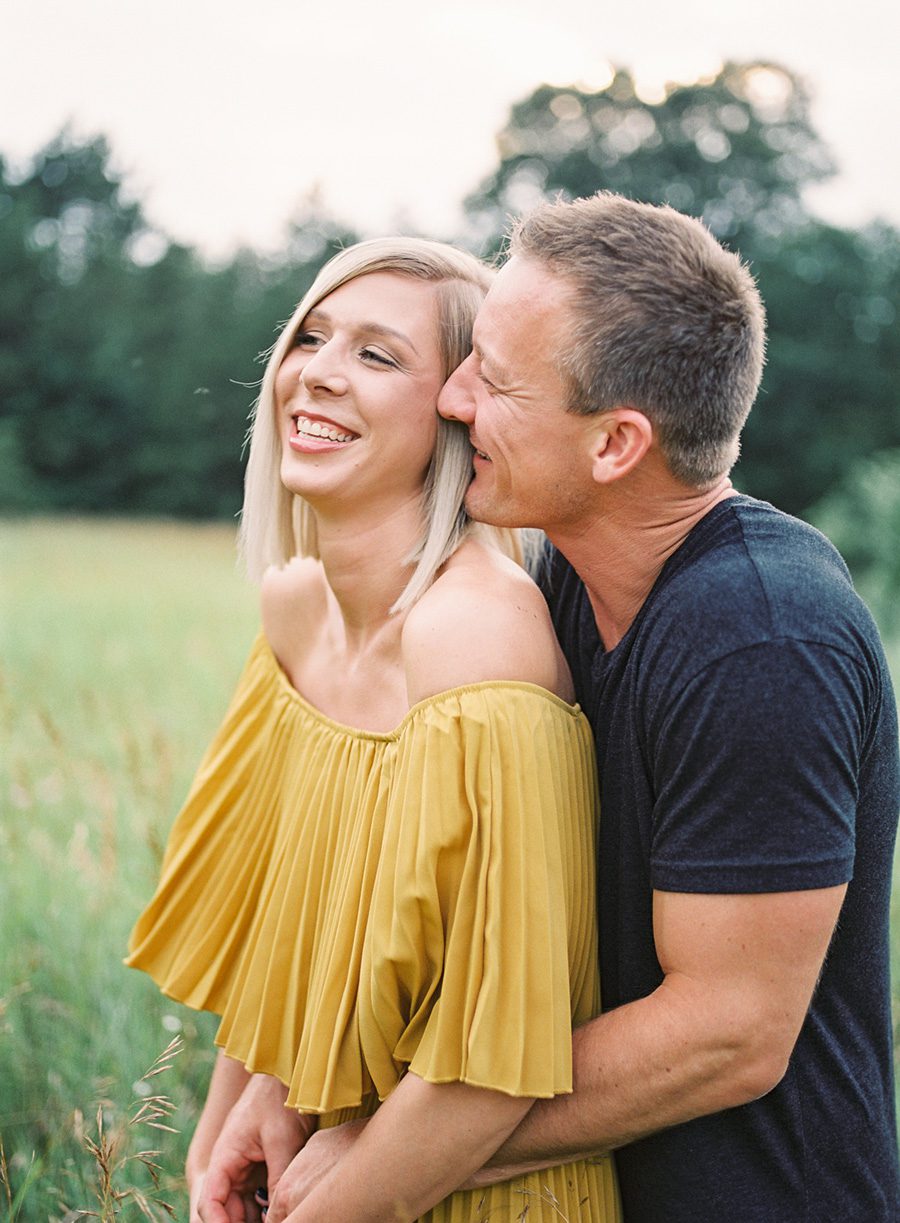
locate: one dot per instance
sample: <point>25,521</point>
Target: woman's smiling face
<point>356,395</point>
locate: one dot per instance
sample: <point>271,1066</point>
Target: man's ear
<point>622,438</point>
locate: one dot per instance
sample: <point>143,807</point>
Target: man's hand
<point>257,1143</point>
<point>320,1154</point>
<point>229,1078</point>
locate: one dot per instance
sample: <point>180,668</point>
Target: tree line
<point>128,364</point>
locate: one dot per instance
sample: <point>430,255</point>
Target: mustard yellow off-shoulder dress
<point>356,904</point>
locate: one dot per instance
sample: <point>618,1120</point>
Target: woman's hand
<point>195,1189</point>
<point>320,1154</point>
<point>229,1078</point>
<point>256,1145</point>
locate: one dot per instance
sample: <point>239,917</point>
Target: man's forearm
<point>637,1069</point>
<point>423,1141</point>
<point>718,1032</point>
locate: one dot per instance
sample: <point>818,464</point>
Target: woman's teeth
<point>315,428</point>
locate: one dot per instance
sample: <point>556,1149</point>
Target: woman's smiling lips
<point>313,434</point>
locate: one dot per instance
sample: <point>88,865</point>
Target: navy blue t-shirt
<point>746,738</point>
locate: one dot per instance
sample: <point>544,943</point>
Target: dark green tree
<point>829,396</point>
<point>127,365</point>
<point>64,268</point>
<point>862,516</point>
<point>737,150</point>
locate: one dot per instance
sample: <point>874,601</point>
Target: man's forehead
<point>518,279</point>
<point>522,330</point>
<point>525,296</point>
<point>492,336</point>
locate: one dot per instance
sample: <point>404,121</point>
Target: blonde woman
<point>382,878</point>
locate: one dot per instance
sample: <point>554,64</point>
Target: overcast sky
<point>226,115</point>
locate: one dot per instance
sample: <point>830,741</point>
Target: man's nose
<point>455,401</point>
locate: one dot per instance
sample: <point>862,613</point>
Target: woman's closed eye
<point>307,339</point>
<point>378,358</point>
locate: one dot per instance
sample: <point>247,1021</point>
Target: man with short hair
<point>745,726</point>
<point>746,737</point>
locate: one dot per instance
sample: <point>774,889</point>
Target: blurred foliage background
<point>128,363</point>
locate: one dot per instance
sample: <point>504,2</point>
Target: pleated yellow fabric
<point>576,1193</point>
<point>354,904</point>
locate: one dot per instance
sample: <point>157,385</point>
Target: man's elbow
<point>757,1076</point>
<point>760,1059</point>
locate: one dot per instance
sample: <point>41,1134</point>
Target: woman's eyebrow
<point>369,328</point>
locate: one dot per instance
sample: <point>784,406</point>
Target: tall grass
<point>119,646</point>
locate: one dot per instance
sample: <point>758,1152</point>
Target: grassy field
<point>119,646</point>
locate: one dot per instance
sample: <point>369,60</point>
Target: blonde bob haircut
<point>276,524</point>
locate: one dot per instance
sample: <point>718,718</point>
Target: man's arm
<point>718,1032</point>
<point>421,1143</point>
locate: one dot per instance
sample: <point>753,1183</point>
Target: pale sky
<point>226,115</point>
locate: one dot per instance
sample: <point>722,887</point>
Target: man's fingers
<point>280,1203</point>
<point>295,1185</point>
<point>278,1158</point>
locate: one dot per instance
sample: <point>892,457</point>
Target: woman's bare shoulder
<point>288,594</point>
<point>482,619</point>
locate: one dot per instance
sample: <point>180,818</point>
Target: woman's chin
<point>302,477</point>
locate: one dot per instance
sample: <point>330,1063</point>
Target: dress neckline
<point>419,707</point>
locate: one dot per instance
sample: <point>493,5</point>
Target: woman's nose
<point>455,401</point>
<point>323,371</point>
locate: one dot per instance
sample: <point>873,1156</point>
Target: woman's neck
<point>364,558</point>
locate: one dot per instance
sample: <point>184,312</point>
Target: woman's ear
<point>623,437</point>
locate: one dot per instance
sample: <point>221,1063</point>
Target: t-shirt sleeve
<point>754,764</point>
<point>482,938</point>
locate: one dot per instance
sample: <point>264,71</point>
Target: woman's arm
<point>424,1141</point>
<point>229,1078</point>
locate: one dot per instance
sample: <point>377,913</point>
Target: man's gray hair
<point>664,320</point>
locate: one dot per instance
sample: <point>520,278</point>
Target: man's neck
<point>620,551</point>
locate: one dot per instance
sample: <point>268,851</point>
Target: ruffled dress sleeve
<point>356,904</point>
<point>481,944</point>
<point>191,935</point>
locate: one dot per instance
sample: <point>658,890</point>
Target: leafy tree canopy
<point>127,366</point>
<point>737,150</point>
